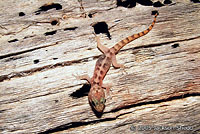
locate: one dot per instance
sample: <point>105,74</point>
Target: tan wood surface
<point>160,85</point>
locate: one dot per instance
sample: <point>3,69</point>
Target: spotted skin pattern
<point>96,94</point>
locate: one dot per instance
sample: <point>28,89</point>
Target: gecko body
<point>96,94</point>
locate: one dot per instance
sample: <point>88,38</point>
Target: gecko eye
<point>103,100</point>
<point>94,102</point>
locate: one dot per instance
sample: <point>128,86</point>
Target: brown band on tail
<point>127,40</point>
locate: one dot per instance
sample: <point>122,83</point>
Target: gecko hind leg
<point>117,65</point>
<point>101,47</point>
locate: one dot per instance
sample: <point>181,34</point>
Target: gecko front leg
<point>83,77</point>
<point>107,87</point>
<point>101,47</point>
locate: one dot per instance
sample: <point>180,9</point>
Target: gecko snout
<point>97,100</point>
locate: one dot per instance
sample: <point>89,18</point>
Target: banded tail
<point>127,40</point>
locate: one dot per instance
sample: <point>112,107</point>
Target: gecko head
<point>96,98</point>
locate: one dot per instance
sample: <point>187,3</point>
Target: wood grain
<point>160,85</point>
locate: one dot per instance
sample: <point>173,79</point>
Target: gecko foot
<point>108,89</point>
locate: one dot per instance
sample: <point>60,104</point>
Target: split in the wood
<point>170,98</point>
<point>47,7</point>
<point>70,28</point>
<point>50,33</point>
<point>14,40</point>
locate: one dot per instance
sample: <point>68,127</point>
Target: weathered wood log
<point>41,49</point>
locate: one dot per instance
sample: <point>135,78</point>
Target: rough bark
<point>160,86</point>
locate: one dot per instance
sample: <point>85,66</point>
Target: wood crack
<point>161,44</point>
<point>28,98</point>
<point>12,33</point>
<point>157,101</point>
<point>74,125</point>
<point>25,51</point>
<point>31,71</point>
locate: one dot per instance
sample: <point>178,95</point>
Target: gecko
<point>96,95</point>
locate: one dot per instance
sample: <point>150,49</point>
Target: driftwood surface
<point>160,86</point>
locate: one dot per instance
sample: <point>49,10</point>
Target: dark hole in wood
<point>36,61</point>
<point>167,2</point>
<point>126,3</point>
<point>70,28</point>
<point>145,2</point>
<point>29,36</point>
<point>89,49</point>
<point>55,58</point>
<point>195,1</point>
<point>56,101</point>
<point>1,111</point>
<point>90,15</point>
<point>154,12</point>
<point>47,7</point>
<point>14,40</point>
<point>158,4</point>
<point>50,33</point>
<point>117,20</point>
<point>83,91</point>
<point>54,22</point>
<point>101,27</point>
<point>132,3</point>
<point>175,45</point>
<point>21,13</point>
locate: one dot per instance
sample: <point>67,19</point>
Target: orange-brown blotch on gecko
<point>96,94</point>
